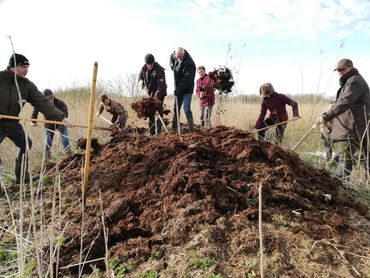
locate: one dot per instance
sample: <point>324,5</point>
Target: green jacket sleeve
<point>40,102</point>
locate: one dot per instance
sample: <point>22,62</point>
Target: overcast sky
<point>294,44</point>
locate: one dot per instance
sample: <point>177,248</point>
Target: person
<point>184,70</point>
<point>350,115</point>
<point>119,114</point>
<point>15,76</point>
<point>206,93</point>
<point>276,104</point>
<point>325,138</point>
<point>153,79</point>
<point>50,128</point>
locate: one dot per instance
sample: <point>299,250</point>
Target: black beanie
<point>19,59</point>
<point>149,59</point>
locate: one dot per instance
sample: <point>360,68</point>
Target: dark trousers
<point>279,130</point>
<point>17,136</point>
<point>351,152</point>
<point>120,120</point>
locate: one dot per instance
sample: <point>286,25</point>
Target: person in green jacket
<point>15,76</point>
<point>350,116</point>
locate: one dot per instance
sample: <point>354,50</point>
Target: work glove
<point>67,123</point>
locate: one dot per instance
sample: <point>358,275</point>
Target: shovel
<point>108,121</point>
<point>304,137</point>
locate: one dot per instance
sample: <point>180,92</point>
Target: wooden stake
<point>88,137</point>
<point>260,227</point>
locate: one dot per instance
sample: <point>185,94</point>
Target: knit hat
<point>344,63</point>
<point>19,59</point>
<point>149,59</point>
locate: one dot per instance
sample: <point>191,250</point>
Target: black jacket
<point>154,81</point>
<point>184,73</point>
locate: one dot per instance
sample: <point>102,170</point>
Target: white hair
<point>180,50</point>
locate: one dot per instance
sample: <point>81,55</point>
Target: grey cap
<point>344,63</point>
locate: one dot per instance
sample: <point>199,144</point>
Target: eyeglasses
<point>342,69</point>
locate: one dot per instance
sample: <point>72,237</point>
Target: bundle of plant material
<point>222,79</point>
<point>147,107</point>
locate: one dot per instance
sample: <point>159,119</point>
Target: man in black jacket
<point>50,128</point>
<point>184,70</point>
<point>153,80</point>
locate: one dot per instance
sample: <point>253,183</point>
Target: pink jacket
<point>276,105</point>
<point>205,91</point>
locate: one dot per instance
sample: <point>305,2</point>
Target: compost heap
<point>222,79</point>
<point>147,107</point>
<point>188,207</point>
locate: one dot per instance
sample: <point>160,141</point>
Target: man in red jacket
<point>276,104</point>
<point>206,94</point>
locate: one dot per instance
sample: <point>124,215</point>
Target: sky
<point>293,44</point>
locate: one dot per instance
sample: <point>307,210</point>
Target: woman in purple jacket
<point>275,103</point>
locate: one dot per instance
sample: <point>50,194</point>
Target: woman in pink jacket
<point>206,94</point>
<point>276,104</point>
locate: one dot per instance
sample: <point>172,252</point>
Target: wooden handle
<point>47,122</point>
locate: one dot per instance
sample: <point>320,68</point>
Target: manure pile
<point>173,203</point>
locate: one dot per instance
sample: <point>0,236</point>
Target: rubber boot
<point>190,124</point>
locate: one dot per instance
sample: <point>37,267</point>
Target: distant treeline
<point>135,91</point>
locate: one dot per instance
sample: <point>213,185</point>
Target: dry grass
<point>233,113</point>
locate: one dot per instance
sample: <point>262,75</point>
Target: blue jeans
<point>49,136</point>
<point>18,137</point>
<point>186,100</point>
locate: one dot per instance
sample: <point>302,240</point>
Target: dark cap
<point>149,59</point>
<point>20,60</point>
<point>344,63</point>
<point>48,92</point>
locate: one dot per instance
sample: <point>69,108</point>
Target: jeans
<point>49,136</point>
<point>18,137</point>
<point>182,99</point>
<point>205,116</point>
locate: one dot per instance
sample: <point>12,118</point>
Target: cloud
<point>284,18</point>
